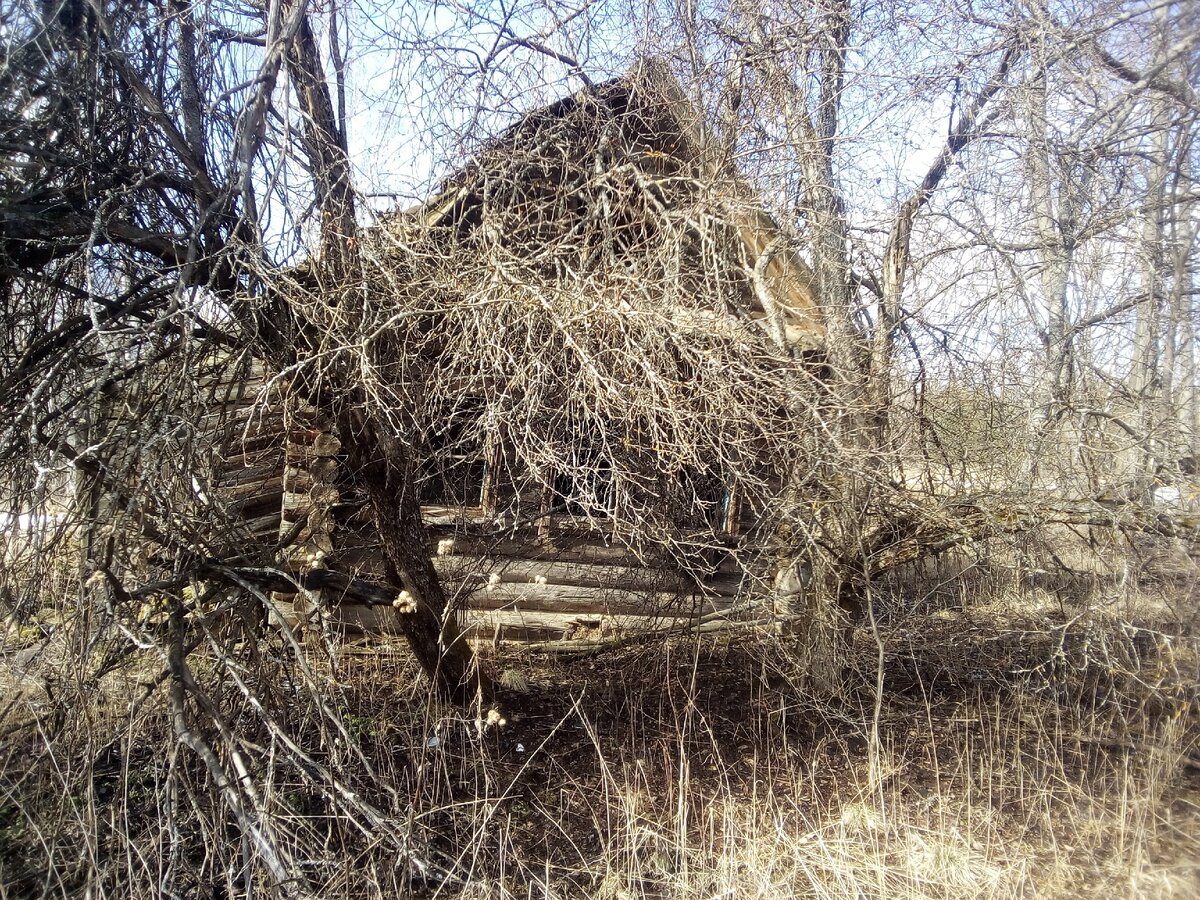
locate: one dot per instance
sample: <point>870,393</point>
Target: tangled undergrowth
<point>1009,754</point>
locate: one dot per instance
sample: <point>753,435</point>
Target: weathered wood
<point>267,525</point>
<point>307,443</point>
<point>359,544</point>
<point>557,571</point>
<point>514,626</point>
<point>315,540</point>
<point>258,503</point>
<point>319,470</point>
<point>254,409</point>
<point>317,496</point>
<point>456,515</point>
<point>527,559</point>
<point>583,574</point>
<point>233,457</point>
<point>312,519</point>
<point>527,547</point>
<point>509,633</point>
<point>521,587</point>
<point>246,495</point>
<point>240,448</point>
<point>235,478</point>
<point>590,600</point>
<point>571,620</point>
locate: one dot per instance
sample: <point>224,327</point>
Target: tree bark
<point>380,462</point>
<point>384,466</point>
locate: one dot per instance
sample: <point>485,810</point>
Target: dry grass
<point>1014,751</point>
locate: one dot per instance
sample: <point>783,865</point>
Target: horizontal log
<point>571,620</point>
<point>554,571</point>
<point>456,515</point>
<point>317,537</point>
<point>314,518</point>
<point>519,571</point>
<point>234,476</point>
<point>233,457</point>
<point>516,570</point>
<point>372,611</point>
<point>315,540</point>
<point>339,586</point>
<point>526,545</point>
<point>492,625</point>
<point>231,389</point>
<point>508,633</point>
<point>592,601</point>
<point>249,447</point>
<point>245,494</point>
<point>253,411</point>
<point>253,401</point>
<point>385,622</point>
<point>523,560</point>
<point>585,644</point>
<point>266,526</point>
<point>304,412</point>
<point>236,371</point>
<point>346,590</point>
<point>258,504</point>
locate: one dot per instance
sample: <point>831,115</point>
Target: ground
<point>1000,749</point>
<point>1006,757</point>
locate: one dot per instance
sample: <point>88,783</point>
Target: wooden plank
<point>505,626</point>
<point>523,570</point>
<point>359,538</point>
<point>508,625</point>
<point>249,447</point>
<point>251,487</point>
<point>457,515</point>
<point>508,633</point>
<point>232,456</point>
<point>526,545</point>
<point>258,409</point>
<point>368,619</point>
<point>321,470</point>
<point>255,414</point>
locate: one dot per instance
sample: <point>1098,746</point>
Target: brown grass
<point>1016,750</point>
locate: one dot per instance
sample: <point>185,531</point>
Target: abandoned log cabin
<point>579,326</point>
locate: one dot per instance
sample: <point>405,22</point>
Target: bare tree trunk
<point>380,462</point>
<point>328,163</point>
<point>897,254</point>
<point>1056,249</point>
<point>1159,319</point>
<point>1146,377</point>
<point>384,468</point>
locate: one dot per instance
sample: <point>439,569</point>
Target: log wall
<point>280,475</point>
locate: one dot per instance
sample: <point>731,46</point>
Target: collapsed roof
<point>609,177</point>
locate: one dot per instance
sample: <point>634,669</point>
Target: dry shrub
<point>1014,750</point>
